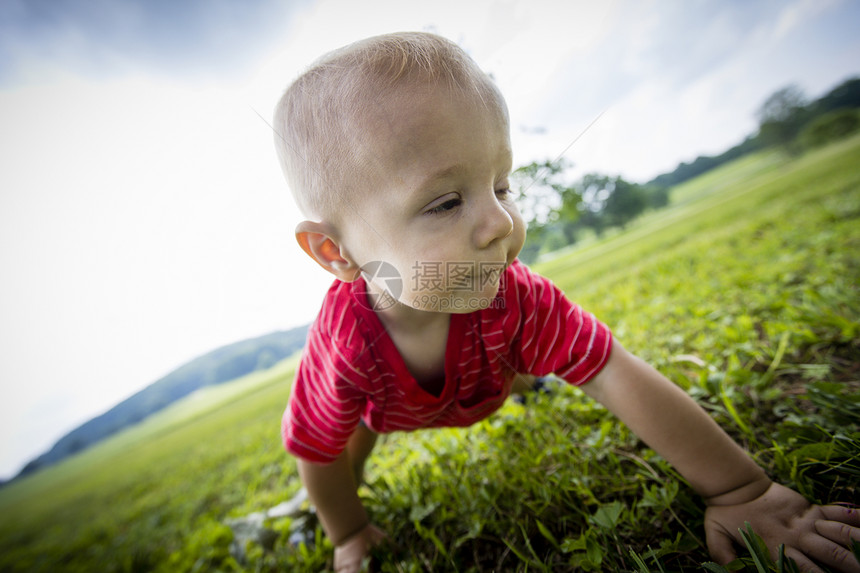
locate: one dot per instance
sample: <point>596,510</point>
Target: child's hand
<point>351,552</point>
<point>782,516</point>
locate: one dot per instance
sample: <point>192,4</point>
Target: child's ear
<point>319,242</point>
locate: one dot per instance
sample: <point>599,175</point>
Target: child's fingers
<point>841,533</point>
<point>842,513</point>
<point>720,547</point>
<point>825,551</point>
<point>802,561</point>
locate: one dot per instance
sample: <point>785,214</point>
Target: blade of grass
<point>786,564</point>
<point>777,359</point>
<point>730,408</point>
<point>754,544</point>
<point>640,563</point>
<point>714,568</point>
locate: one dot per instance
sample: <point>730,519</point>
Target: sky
<point>144,219</point>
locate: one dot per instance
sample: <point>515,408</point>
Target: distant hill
<point>846,95</point>
<point>219,366</point>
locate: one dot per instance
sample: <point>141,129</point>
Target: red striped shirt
<point>351,370</point>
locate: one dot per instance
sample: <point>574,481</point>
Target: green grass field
<point>744,291</point>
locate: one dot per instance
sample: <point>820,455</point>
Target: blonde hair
<point>318,120</point>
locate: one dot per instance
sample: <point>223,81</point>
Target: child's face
<point>435,203</point>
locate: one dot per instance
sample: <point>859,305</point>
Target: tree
<point>626,201</point>
<point>556,211</point>
<point>613,202</point>
<point>845,95</point>
<point>547,204</point>
<point>541,190</point>
<point>781,118</point>
<point>829,127</point>
<point>656,196</point>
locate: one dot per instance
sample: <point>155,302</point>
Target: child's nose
<point>493,223</point>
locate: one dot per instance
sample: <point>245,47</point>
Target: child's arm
<point>735,488</point>
<point>332,490</point>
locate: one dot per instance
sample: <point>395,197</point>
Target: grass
<point>744,292</point>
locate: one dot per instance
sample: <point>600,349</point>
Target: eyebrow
<point>449,172</point>
<point>442,174</point>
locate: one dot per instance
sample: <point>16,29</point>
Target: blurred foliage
<point>788,121</point>
<point>830,127</point>
<point>560,212</point>
<point>781,117</point>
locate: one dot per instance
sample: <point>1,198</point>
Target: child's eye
<point>505,193</point>
<point>446,206</point>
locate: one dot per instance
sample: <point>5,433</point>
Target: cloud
<point>674,81</point>
<point>797,13</point>
<point>96,37</point>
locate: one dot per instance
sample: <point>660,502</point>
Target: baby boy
<point>397,151</point>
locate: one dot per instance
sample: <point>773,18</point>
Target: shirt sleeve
<point>326,401</point>
<point>557,336</point>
